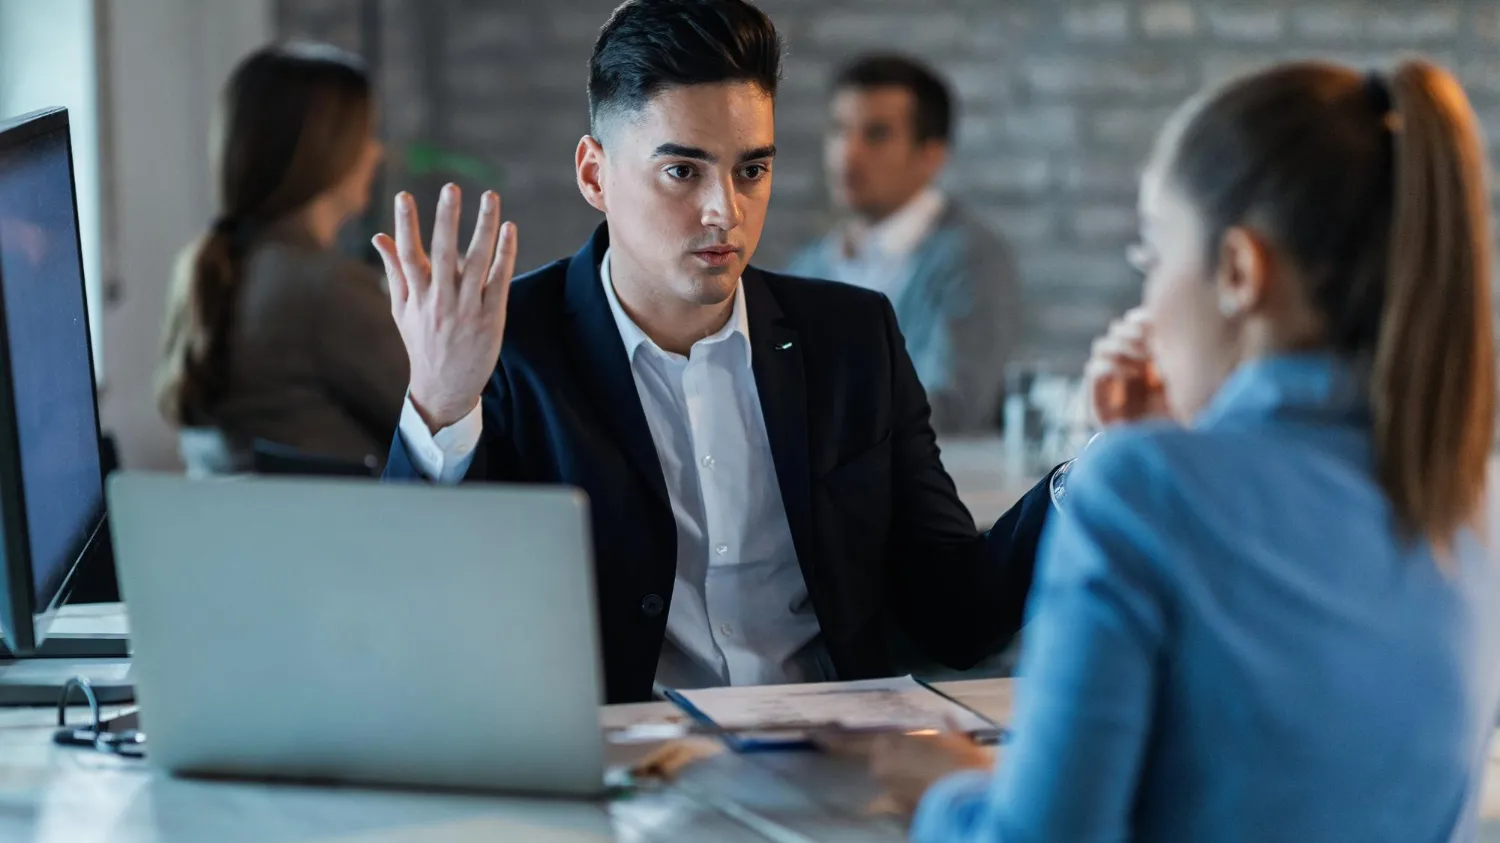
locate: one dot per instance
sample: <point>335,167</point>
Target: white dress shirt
<point>878,257</point>
<point>740,612</point>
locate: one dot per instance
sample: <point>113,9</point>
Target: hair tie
<point>1378,92</point>
<point>237,230</point>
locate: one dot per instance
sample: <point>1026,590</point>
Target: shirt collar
<point>633,337</point>
<point>1310,384</point>
<point>899,234</point>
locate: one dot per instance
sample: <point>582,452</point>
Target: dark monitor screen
<point>58,503</point>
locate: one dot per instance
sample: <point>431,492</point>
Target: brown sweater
<point>315,360</point>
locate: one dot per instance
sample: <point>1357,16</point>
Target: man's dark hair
<point>648,45</point>
<point>932,116</point>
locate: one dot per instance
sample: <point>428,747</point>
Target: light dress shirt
<point>740,612</point>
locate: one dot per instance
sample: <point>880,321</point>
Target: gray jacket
<point>315,360</point>
<point>960,315</point>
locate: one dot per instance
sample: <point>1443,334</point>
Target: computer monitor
<point>52,507</point>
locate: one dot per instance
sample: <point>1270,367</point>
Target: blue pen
<point>730,739</point>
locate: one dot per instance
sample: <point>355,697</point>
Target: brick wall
<point>1059,102</point>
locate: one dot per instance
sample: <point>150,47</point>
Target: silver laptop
<point>344,630</point>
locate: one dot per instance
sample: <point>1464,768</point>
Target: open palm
<point>450,308</point>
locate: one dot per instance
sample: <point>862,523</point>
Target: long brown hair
<point>1375,187</point>
<point>290,125</point>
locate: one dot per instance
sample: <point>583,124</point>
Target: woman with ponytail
<point>272,335</point>
<point>1267,610</point>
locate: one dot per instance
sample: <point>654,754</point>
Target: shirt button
<point>708,462</point>
<point>721,549</point>
<point>652,605</point>
<point>727,629</point>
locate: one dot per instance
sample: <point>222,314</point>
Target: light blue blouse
<point>1230,641</point>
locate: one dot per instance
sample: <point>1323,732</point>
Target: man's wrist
<point>438,418</point>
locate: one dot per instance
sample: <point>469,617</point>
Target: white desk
<point>56,795</point>
<point>50,794</point>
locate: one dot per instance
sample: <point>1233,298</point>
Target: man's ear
<point>588,164</point>
<point>932,156</point>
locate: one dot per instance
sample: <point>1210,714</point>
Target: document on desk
<point>901,703</point>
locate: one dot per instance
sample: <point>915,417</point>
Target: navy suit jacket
<point>881,536</point>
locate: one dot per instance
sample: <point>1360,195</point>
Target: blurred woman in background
<point>272,336</point>
<point>1268,609</point>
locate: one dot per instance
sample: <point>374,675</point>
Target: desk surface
<point>986,481</point>
<point>54,795</point>
<point>50,794</point>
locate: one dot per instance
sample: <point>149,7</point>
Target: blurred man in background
<point>951,280</point>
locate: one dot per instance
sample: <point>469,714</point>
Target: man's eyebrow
<point>768,151</point>
<point>677,150</point>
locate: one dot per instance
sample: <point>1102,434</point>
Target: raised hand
<point>1123,384</point>
<point>450,308</point>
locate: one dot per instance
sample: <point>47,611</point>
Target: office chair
<point>268,457</point>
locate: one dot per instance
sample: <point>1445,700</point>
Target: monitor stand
<point>39,681</point>
<point>89,641</point>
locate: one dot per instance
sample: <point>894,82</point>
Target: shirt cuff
<point>951,807</point>
<point>443,457</point>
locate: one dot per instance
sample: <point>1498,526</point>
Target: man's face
<point>875,162</point>
<point>684,183</point>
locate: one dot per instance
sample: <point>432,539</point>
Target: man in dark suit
<point>767,496</point>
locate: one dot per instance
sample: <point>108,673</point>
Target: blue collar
<point>1315,386</point>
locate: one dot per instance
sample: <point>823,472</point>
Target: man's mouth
<point>716,255</point>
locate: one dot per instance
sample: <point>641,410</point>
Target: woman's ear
<point>588,164</point>
<point>1243,275</point>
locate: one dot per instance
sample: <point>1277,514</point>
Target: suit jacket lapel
<point>603,367</point>
<point>776,355</point>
